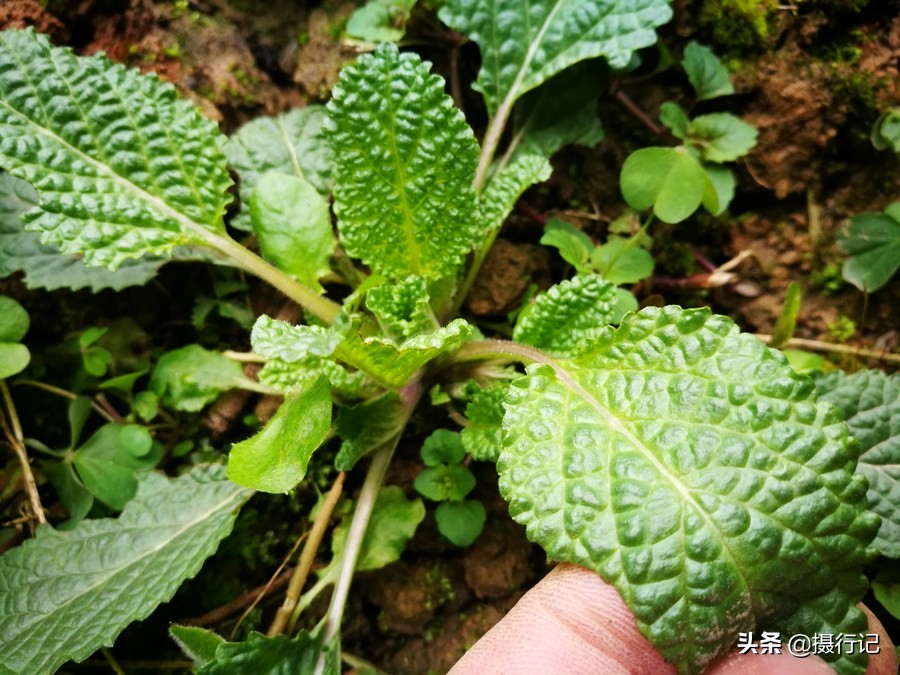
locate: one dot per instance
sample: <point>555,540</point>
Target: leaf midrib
<point>218,506</point>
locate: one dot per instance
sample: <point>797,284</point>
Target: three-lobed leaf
<point>14,323</point>
<point>404,164</point>
<point>116,570</point>
<point>667,179</point>
<point>460,521</point>
<point>870,402</point>
<point>695,471</point>
<point>873,242</point>
<point>122,167</point>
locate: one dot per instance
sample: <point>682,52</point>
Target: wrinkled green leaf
<point>278,339</point>
<point>567,315</point>
<point>192,377</point>
<point>293,224</point>
<point>380,20</point>
<point>674,117</point>
<point>95,139</point>
<point>392,363</point>
<point>481,438</point>
<point>461,521</point>
<point>669,180</point>
<point>870,402</point>
<point>44,266</point>
<point>110,460</point>
<point>197,643</point>
<point>524,45</point>
<point>291,144</point>
<point>719,190</point>
<point>721,137</point>
<point>275,459</point>
<point>285,377</point>
<point>261,655</point>
<point>886,131</point>
<point>445,481</point>
<point>574,246</point>
<point>787,317</point>
<point>404,164</point>
<point>367,426</point>
<point>696,472</point>
<point>443,446</point>
<point>402,306</point>
<point>706,73</point>
<point>115,570</point>
<point>622,261</point>
<point>873,242</point>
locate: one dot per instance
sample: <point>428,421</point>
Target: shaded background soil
<point>812,76</point>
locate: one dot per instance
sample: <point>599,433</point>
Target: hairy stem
<point>17,442</point>
<point>307,556</point>
<point>481,350</point>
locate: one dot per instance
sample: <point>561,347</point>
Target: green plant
<point>873,242</point>
<point>676,181</point>
<point>447,481</point>
<point>683,461</point>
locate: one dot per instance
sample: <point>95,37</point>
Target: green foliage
<point>706,73</point>
<point>447,481</point>
<point>720,137</point>
<point>275,459</point>
<point>197,643</point>
<point>367,426</point>
<point>521,50</point>
<point>886,588</point>
<point>43,265</point>
<point>573,245</point>
<point>380,20</point>
<point>192,377</point>
<point>119,184</point>
<point>886,131</point>
<point>14,323</point>
<point>404,164</point>
<point>787,317</point>
<point>481,438</point>
<point>688,456</point>
<point>873,242</point>
<point>291,144</point>
<point>293,224</point>
<point>569,314</point>
<point>261,655</point>
<point>116,570</point>
<point>870,402</point>
<point>402,307</point>
<point>621,261</point>
<point>667,179</point>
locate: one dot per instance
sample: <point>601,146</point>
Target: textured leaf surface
<point>870,402</point>
<point>261,655</point>
<point>706,73</point>
<point>873,242</point>
<point>122,167</point>
<point>695,471</point>
<point>481,438</point>
<point>293,224</point>
<point>292,144</point>
<point>198,643</point>
<point>65,594</point>
<point>44,266</point>
<point>275,459</point>
<point>402,307</point>
<point>278,339</point>
<point>404,164</point>
<point>390,363</point>
<point>366,426</point>
<point>522,45</point>
<point>286,376</point>
<point>567,315</point>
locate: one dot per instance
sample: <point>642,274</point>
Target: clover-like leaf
<point>404,164</point>
<point>524,45</point>
<point>116,570</point>
<point>380,20</point>
<point>443,446</point>
<point>293,224</point>
<point>719,191</point>
<point>668,179</point>
<point>292,144</point>
<point>696,472</point>
<point>573,245</point>
<point>460,521</point>
<point>873,242</point>
<point>567,315</point>
<point>886,131</point>
<point>870,402</point>
<point>622,261</point>
<point>14,322</point>
<point>275,459</point>
<point>721,137</point>
<point>121,166</point>
<point>445,481</point>
<point>706,73</point>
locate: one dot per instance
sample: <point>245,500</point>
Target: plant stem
<point>243,357</point>
<point>410,394</point>
<point>480,350</point>
<point>307,556</point>
<point>111,660</point>
<point>17,442</point>
<point>99,409</point>
<point>820,346</point>
<point>323,308</point>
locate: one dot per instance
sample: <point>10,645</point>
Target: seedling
<point>684,462</point>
